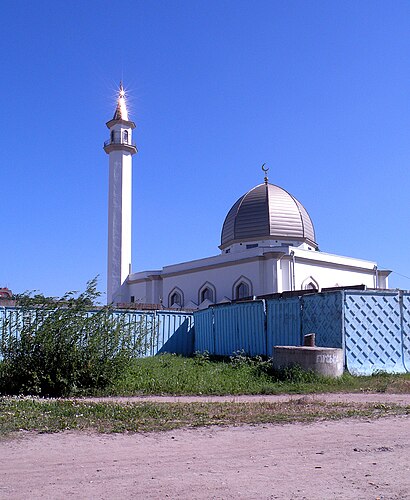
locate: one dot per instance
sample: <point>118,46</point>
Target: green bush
<point>61,348</point>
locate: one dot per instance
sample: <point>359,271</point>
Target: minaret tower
<point>120,149</point>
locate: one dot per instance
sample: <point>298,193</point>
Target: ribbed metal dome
<point>267,211</point>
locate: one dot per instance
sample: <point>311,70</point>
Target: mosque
<point>268,245</point>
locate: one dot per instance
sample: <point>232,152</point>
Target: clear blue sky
<point>318,90</point>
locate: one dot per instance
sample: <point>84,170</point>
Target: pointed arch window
<point>125,137</point>
<point>242,288</point>
<point>176,298</point>
<point>310,284</point>
<point>242,291</point>
<point>207,292</point>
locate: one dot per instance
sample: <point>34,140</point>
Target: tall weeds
<point>62,347</point>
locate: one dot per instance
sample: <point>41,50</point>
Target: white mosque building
<point>268,245</point>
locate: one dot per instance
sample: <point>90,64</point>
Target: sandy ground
<point>362,397</point>
<point>349,459</point>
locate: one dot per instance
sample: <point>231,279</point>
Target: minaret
<point>120,149</point>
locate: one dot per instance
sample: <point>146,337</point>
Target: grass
<point>203,375</point>
<point>28,414</point>
<point>170,374</point>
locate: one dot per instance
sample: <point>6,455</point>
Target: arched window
<point>176,298</point>
<point>112,136</point>
<point>310,284</point>
<point>242,288</point>
<point>242,291</point>
<point>207,292</point>
<point>125,137</point>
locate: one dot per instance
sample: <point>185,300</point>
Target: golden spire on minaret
<point>265,169</point>
<point>121,112</point>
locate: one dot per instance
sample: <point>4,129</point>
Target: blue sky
<point>318,90</point>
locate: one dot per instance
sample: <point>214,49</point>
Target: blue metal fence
<point>373,327</point>
<point>174,332</point>
<point>322,314</point>
<point>283,323</point>
<point>165,331</point>
<point>406,330</point>
<point>238,327</point>
<point>373,333</point>
<point>253,327</point>
<point>205,331</point>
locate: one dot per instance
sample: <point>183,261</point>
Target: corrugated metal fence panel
<point>158,326</point>
<point>137,324</point>
<point>5,319</point>
<point>373,335</point>
<point>204,331</point>
<point>225,325</point>
<point>283,320</point>
<point>240,327</point>
<point>174,333</point>
<point>406,331</point>
<point>322,314</point>
<point>252,328</point>
<point>13,318</point>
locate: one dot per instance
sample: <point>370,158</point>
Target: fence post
<point>213,330</point>
<point>265,327</point>
<point>402,332</point>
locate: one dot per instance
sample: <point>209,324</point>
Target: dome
<point>267,212</point>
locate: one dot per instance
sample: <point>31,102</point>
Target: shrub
<point>61,347</point>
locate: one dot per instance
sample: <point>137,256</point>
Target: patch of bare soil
<point>348,459</point>
<point>360,397</point>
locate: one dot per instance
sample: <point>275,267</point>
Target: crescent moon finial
<point>265,169</point>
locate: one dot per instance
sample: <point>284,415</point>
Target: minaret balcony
<point>119,144</point>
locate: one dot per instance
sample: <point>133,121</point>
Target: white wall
<point>222,279</point>
<point>267,271</point>
<point>329,276</point>
<point>261,273</point>
<point>327,270</point>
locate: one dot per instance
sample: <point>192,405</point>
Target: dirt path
<point>365,397</point>
<point>349,459</point>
